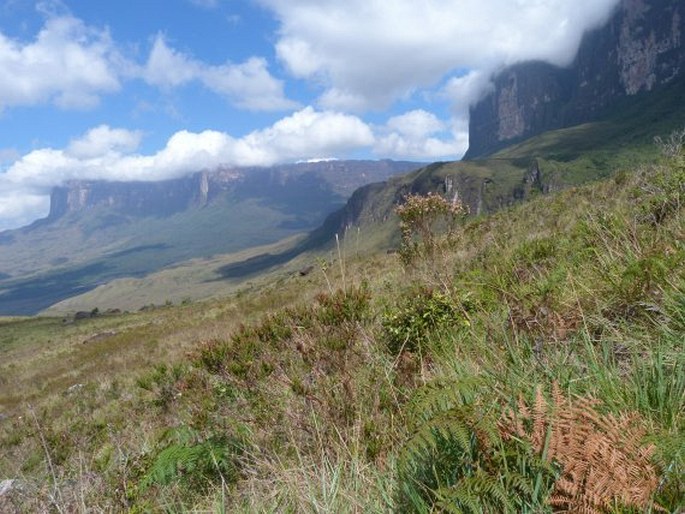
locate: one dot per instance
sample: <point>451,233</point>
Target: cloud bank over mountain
<point>106,153</point>
<point>368,54</point>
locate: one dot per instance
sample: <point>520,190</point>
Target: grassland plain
<point>531,362</point>
<point>196,279</point>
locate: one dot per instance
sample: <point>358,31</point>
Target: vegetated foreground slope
<point>530,362</point>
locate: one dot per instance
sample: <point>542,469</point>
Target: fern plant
<point>193,462</point>
<point>604,463</point>
<point>470,454</point>
<point>457,460</point>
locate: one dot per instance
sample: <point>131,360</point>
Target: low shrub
<point>418,315</point>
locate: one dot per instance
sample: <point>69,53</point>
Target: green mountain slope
<point>458,382</point>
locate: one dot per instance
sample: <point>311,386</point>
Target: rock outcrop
<point>639,50</point>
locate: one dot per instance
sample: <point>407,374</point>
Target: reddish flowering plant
<point>427,225</point>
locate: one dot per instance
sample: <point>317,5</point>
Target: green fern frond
<point>443,395</point>
<point>457,460</point>
<point>455,426</point>
<point>480,492</point>
<point>193,462</point>
<point>172,462</point>
<point>459,500</point>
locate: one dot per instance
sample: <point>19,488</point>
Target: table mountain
<point>638,51</point>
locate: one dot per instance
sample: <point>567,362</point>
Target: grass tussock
<point>527,361</point>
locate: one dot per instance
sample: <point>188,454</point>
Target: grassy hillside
<point>531,361</point>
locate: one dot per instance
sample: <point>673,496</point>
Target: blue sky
<point>154,89</point>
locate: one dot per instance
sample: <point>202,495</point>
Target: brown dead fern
<point>603,461</point>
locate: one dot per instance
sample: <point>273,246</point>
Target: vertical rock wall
<point>638,50</point>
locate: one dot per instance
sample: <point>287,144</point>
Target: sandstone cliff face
<point>316,184</point>
<point>639,50</point>
<point>133,198</point>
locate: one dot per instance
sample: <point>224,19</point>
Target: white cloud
<point>335,98</point>
<point>103,140</point>
<point>248,85</point>
<point>8,155</point>
<point>368,54</point>
<point>68,64</point>
<point>20,207</point>
<point>419,134</point>
<point>466,90</point>
<point>168,68</point>
<point>105,153</point>
<point>417,123</point>
<point>72,65</point>
<point>309,133</point>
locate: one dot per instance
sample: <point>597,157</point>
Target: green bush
<point>162,382</point>
<point>343,306</point>
<point>410,324</point>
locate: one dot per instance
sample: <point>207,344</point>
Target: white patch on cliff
<point>638,50</point>
<point>510,115</point>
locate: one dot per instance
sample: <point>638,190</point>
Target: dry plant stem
<point>81,488</point>
<point>341,262</point>
<point>577,298</point>
<point>123,459</point>
<point>673,146</point>
<point>223,483</point>
<point>57,492</point>
<point>324,266</point>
